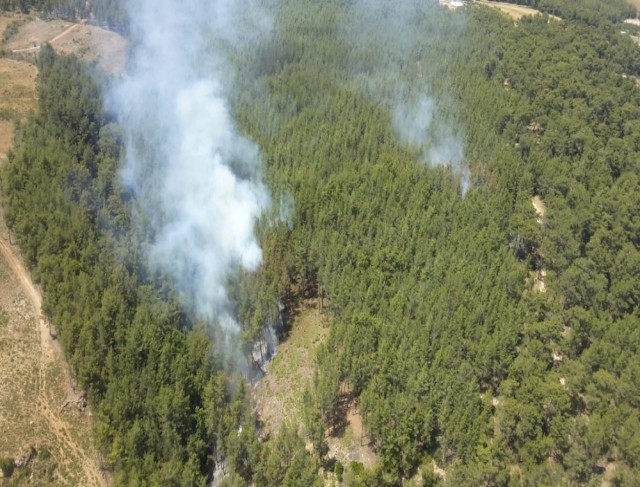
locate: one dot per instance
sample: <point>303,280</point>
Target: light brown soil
<point>36,32</point>
<point>610,467</point>
<point>89,42</point>
<point>279,394</point>
<point>17,89</point>
<point>635,3</point>
<point>539,277</point>
<point>35,383</point>
<point>353,445</point>
<point>539,206</point>
<point>6,139</point>
<point>514,11</point>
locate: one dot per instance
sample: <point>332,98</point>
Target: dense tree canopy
<point>436,325</point>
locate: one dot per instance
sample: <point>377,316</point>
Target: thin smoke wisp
<point>394,37</point>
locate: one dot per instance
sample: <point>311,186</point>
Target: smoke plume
<point>393,37</point>
<point>196,180</point>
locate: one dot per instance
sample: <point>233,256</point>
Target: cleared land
<point>89,42</point>
<point>540,276</point>
<point>43,420</point>
<point>514,11</point>
<point>279,394</point>
<point>17,98</point>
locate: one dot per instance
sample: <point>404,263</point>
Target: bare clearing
<point>17,89</point>
<point>279,394</point>
<point>6,139</point>
<point>540,208</point>
<point>539,276</point>
<point>88,42</point>
<point>17,98</point>
<point>514,11</point>
<point>352,444</point>
<point>634,3</point>
<point>36,32</point>
<point>34,385</point>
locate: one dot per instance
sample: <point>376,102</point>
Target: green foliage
<point>157,390</point>
<point>287,463</point>
<point>11,29</point>
<point>7,465</point>
<point>432,314</point>
<point>436,328</point>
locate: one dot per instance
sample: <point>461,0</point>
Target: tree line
<point>436,328</point>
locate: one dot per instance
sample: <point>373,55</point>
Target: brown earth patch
<point>514,11</point>
<point>90,43</point>
<point>279,394</point>
<point>353,444</point>
<point>6,139</point>
<point>17,89</point>
<point>34,385</point>
<point>36,32</point>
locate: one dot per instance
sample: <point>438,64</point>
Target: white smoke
<point>196,180</point>
<point>417,125</point>
<point>393,74</point>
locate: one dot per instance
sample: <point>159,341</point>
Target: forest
<point>436,327</point>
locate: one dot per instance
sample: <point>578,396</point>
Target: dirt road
<point>51,41</point>
<point>514,10</point>
<point>50,352</point>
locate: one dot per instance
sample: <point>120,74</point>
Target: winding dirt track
<point>50,352</point>
<point>51,41</point>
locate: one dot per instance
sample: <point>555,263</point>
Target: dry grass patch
<point>36,32</point>
<point>18,94</point>
<point>9,17</point>
<point>18,97</point>
<point>6,139</point>
<point>30,395</point>
<point>88,42</point>
<point>91,43</point>
<point>279,394</point>
<point>34,384</point>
